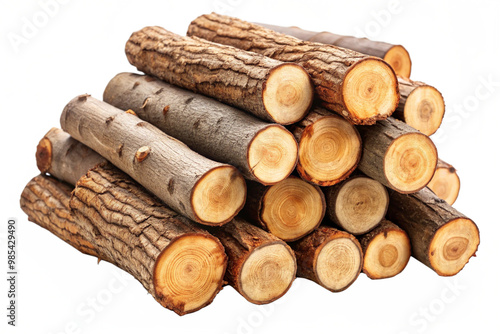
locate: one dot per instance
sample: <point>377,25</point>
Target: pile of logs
<point>247,157</point>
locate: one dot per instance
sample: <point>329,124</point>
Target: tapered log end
<point>218,196</point>
<point>292,209</point>
<point>288,93</point>
<point>387,254</point>
<point>272,154</point>
<point>399,59</point>
<point>453,245</point>
<point>339,262</point>
<point>445,184</point>
<point>44,155</point>
<point>360,205</point>
<point>329,151</point>
<point>410,162</point>
<point>370,91</point>
<point>189,273</point>
<point>424,109</point>
<point>267,273</point>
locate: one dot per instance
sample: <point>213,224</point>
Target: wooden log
<point>361,88</point>
<point>395,55</point>
<point>386,251</point>
<point>397,155</point>
<point>289,209</point>
<point>206,191</point>
<point>357,205</point>
<point>65,158</point>
<point>445,183</point>
<point>261,267</point>
<point>329,147</point>
<point>263,152</point>
<point>441,237</point>
<point>329,257</point>
<point>115,219</point>
<point>421,106</point>
<point>46,202</point>
<point>267,88</point>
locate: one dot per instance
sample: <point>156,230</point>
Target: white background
<point>454,46</point>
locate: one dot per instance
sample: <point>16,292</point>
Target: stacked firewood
<point>247,157</point>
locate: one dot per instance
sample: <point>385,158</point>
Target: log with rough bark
<point>358,204</point>
<point>361,88</point>
<point>206,191</point>
<point>386,250</point>
<point>421,106</point>
<point>329,257</point>
<point>261,267</point>
<point>329,147</point>
<point>65,158</point>
<point>441,237</point>
<point>267,88</point>
<point>395,55</point>
<point>445,183</point>
<point>397,155</point>
<point>263,152</point>
<point>46,202</point>
<point>289,209</point>
<point>115,219</point>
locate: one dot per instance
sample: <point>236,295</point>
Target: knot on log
<point>142,153</point>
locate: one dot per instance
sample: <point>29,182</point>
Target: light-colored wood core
<point>329,150</point>
<point>272,154</point>
<point>288,93</point>
<point>453,245</point>
<point>410,162</point>
<point>292,208</point>
<point>424,109</point>
<point>267,273</point>
<point>218,195</point>
<point>399,59</point>
<point>387,251</point>
<point>359,205</point>
<point>445,183</point>
<point>370,89</point>
<point>338,263</point>
<point>188,270</point>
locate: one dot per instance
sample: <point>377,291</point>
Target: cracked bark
<point>267,88</point>
<point>363,89</point>
<point>113,218</point>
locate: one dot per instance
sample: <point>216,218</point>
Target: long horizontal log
<point>386,251</point>
<point>113,218</point>
<point>441,237</point>
<point>267,88</point>
<point>289,209</point>
<point>421,106</point>
<point>397,155</point>
<point>329,257</point>
<point>395,55</point>
<point>203,190</point>
<point>263,152</point>
<point>361,88</point>
<point>329,147</point>
<point>261,267</point>
<point>445,183</point>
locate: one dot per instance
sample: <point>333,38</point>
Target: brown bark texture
<point>227,74</point>
<point>327,65</point>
